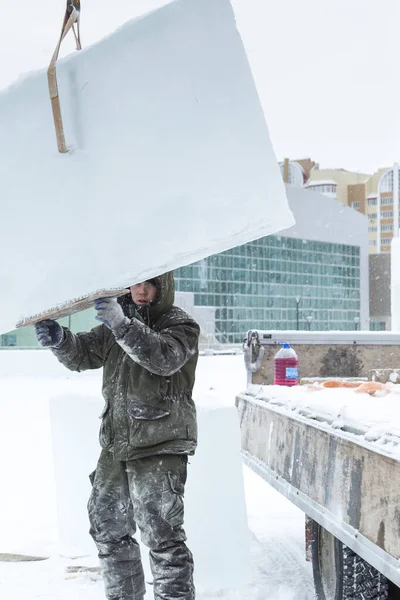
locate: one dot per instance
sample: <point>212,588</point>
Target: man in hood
<point>149,349</point>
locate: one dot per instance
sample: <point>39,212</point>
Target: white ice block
<point>216,518</point>
<point>170,161</point>
<point>74,435</point>
<point>215,511</point>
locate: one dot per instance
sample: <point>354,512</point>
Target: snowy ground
<point>28,517</point>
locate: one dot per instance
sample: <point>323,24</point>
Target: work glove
<point>110,313</point>
<point>49,333</point>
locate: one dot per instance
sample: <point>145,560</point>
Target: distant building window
<point>372,229</point>
<point>372,201</point>
<point>377,326</point>
<point>386,201</point>
<point>387,214</point>
<point>355,205</point>
<point>387,227</point>
<point>326,188</point>
<point>372,216</point>
<point>387,182</point>
<point>296,174</point>
<point>9,339</point>
<point>372,242</point>
<point>386,241</point>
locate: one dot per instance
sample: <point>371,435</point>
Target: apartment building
<point>376,195</point>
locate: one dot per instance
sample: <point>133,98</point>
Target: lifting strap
<point>71,18</point>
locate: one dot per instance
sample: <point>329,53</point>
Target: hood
<point>164,300</point>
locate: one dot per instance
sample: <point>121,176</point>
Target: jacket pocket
<point>92,477</point>
<point>172,505</point>
<point>105,434</point>
<point>142,411</point>
<point>108,516</point>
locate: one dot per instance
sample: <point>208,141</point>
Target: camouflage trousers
<point>147,493</point>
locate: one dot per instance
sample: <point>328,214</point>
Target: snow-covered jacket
<point>149,372</point>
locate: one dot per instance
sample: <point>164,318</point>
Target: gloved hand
<point>49,333</point>
<point>110,312</point>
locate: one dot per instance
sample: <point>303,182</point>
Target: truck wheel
<point>394,592</point>
<point>340,574</point>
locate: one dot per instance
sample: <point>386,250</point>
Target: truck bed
<point>346,483</point>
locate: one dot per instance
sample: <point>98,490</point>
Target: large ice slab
<point>170,161</point>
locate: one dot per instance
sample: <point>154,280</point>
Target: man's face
<point>143,293</point>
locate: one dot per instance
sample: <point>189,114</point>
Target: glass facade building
<point>277,282</point>
<point>314,276</point>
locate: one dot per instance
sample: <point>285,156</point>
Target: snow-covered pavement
<point>279,570</point>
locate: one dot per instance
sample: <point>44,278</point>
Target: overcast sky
<point>327,71</point>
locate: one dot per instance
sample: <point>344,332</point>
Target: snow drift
<point>170,161</point>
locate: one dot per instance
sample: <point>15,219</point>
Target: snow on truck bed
<point>367,418</point>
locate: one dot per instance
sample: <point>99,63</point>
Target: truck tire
<point>340,574</point>
<point>394,592</point>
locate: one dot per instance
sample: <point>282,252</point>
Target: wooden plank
<point>9,557</point>
<point>74,306</point>
<point>73,572</point>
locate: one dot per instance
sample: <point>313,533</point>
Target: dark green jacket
<point>149,372</point>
